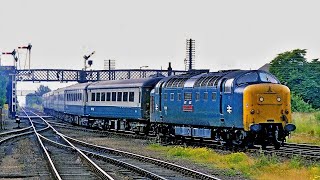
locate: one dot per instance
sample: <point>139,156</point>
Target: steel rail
<point>102,174</point>
<point>108,159</point>
<point>15,131</point>
<point>161,163</point>
<point>52,167</point>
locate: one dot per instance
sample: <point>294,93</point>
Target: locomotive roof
<point>210,79</point>
<point>126,83</point>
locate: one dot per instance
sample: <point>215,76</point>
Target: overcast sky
<point>242,34</point>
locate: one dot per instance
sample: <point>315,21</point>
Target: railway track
<point>308,152</point>
<point>121,164</point>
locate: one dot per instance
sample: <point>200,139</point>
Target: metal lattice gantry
<point>65,75</point>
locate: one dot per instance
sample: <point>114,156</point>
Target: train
<point>234,107</point>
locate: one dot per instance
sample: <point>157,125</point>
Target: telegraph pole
<point>190,54</point>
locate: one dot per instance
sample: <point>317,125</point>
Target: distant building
<point>265,67</point>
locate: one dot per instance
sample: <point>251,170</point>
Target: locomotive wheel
<point>277,145</point>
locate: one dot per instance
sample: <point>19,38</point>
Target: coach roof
<point>126,83</point>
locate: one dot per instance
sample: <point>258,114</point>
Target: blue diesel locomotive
<point>242,107</point>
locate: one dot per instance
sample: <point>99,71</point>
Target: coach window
<point>197,96</point>
<point>103,96</point>
<point>179,96</point>
<point>98,97</point>
<point>119,97</point>
<point>114,96</point>
<point>108,96</point>
<point>205,96</point>
<point>214,96</point>
<point>93,96</point>
<point>125,96</point>
<point>171,96</point>
<point>131,96</point>
<point>228,86</point>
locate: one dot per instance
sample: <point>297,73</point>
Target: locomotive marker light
<point>278,99</point>
<point>261,99</point>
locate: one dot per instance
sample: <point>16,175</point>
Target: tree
<point>33,99</point>
<point>301,76</point>
<point>3,92</point>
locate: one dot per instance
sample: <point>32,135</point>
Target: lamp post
<point>141,69</point>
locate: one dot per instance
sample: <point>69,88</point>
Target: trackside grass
<point>308,128</point>
<point>260,167</point>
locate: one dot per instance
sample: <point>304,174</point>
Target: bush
<point>317,116</point>
<point>298,105</point>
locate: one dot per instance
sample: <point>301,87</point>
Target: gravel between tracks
<point>139,146</point>
<point>21,159</point>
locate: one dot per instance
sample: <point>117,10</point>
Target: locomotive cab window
<point>248,78</point>
<point>264,77</point>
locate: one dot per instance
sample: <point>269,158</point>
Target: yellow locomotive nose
<point>266,103</point>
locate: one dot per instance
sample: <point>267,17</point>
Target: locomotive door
<point>156,111</point>
<point>226,104</point>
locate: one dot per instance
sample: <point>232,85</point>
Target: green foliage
<point>296,162</point>
<point>317,116</point>
<point>260,167</point>
<point>35,99</point>
<point>298,105</point>
<point>264,160</point>
<point>3,88</point>
<point>301,76</point>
